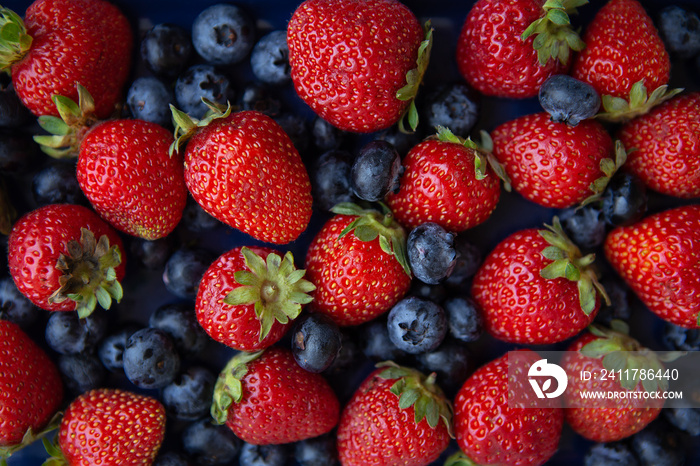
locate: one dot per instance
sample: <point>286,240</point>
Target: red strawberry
<point>609,419</point>
<point>64,257</point>
<point>243,169</point>
<point>509,48</point>
<point>412,428</point>
<point>248,297</point>
<point>447,181</point>
<point>665,146</point>
<point>30,389</point>
<point>358,264</point>
<point>110,427</point>
<point>658,258</point>
<point>493,429</point>
<point>535,287</point>
<point>549,163</point>
<point>62,43</point>
<point>358,65</point>
<point>266,398</point>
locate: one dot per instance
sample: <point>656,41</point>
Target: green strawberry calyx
<point>89,274</point>
<point>371,224</point>
<point>30,437</point>
<point>275,288</point>
<point>639,102</point>
<point>458,458</point>
<point>228,388</point>
<point>609,167</point>
<point>56,457</point>
<point>67,132</point>
<point>413,388</point>
<point>186,126</point>
<point>414,78</point>
<point>568,262</point>
<point>14,40</point>
<point>554,37</point>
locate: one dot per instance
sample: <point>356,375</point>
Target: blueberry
<point>296,128</point>
<point>684,419</point>
<point>262,455</point>
<point>201,81</point>
<point>189,396</point>
<point>81,372</point>
<point>13,113</point>
<point>677,338</point>
<point>317,451</point>
<point>624,200</point>
<point>184,270</point>
<point>111,348</point>
<point>619,294</point>
<point>349,353</point>
<point>610,454</point>
<point>416,325</point>
<point>680,31</point>
<point>171,458</point>
<point>209,444</point>
<point>258,97</point>
<point>468,258</point>
<point>330,179</point>
<point>435,293</point>
<point>166,49</point>
<point>325,136</point>
<point>149,99</point>
<point>376,171</point>
<point>196,219</point>
<point>316,341</point>
<point>568,100</point>
<point>66,333</point>
<point>401,140</point>
<point>431,253</point>
<point>376,344</point>
<point>463,318</point>
<point>584,225</point>
<point>152,254</point>
<point>16,307</point>
<point>658,445</point>
<point>450,363</point>
<point>269,59</point>
<point>454,106</point>
<point>223,34</point>
<point>150,359</point>
<point>57,184</point>
<point>179,321</point>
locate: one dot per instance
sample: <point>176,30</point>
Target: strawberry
<point>658,258</point>
<point>358,263</point>
<point>31,390</point>
<point>64,257</point>
<point>535,287</point>
<point>243,169</point>
<point>62,43</point>
<point>266,398</point>
<point>553,164</point>
<point>509,48</point>
<point>358,65</point>
<point>249,296</point>
<point>490,428</point>
<point>610,419</point>
<point>412,428</point>
<point>666,143</point>
<point>448,181</point>
<point>111,427</point>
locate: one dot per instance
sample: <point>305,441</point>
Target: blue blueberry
<point>325,136</point>
<point>269,59</point>
<point>677,338</point>
<point>330,179</point>
<point>624,200</point>
<point>179,321</point>
<point>680,31</point>
<point>189,396</point>
<point>619,294</point>
<point>171,458</point>
<point>150,359</point>
<point>450,363</point>
<point>66,333</point>
<point>375,343</point>
<point>435,293</point>
<point>686,420</point>
<point>223,34</point>
<point>111,348</point>
<point>259,97</point>
<point>584,225</point>
<point>196,219</point>
<point>376,171</point>
<point>317,451</point>
<point>210,444</point>
<point>81,372</point>
<point>416,325</point>
<point>263,455</point>
<point>464,320</point>
<point>454,106</point>
<point>57,184</point>
<point>201,81</point>
<point>16,307</point>
<point>149,99</point>
<point>166,49</point>
<point>151,254</point>
<point>658,444</point>
<point>610,454</point>
<point>316,341</point>
<point>185,269</point>
<point>431,253</point>
<point>568,100</point>
<point>13,113</point>
<point>467,261</point>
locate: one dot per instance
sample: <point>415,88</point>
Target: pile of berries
<point>315,235</point>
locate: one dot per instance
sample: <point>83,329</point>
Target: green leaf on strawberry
<point>609,167</point>
<point>414,78</point>
<point>14,40</point>
<point>554,38</point>
<point>228,388</point>
<point>639,102</point>
<point>185,125</point>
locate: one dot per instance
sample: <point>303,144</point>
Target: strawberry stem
<point>554,38</point>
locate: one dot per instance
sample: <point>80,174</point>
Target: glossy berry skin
<point>184,270</point>
<point>188,397</point>
<point>249,158</point>
<point>463,318</point>
<point>263,455</point>
<point>624,200</point>
<point>431,253</point>
<point>568,100</point>
<point>667,146</point>
<point>148,99</point>
<point>375,171</point>
<point>492,57</point>
<point>355,89</point>
<point>150,359</point>
<point>88,433</point>
<point>439,185</point>
<point>57,184</point>
<point>179,321</point>
<point>680,30</point>
<point>622,48</point>
<point>36,242</point>
<point>201,81</point>
<point>416,325</point>
<point>374,430</point>
<point>490,429</point>
<point>166,49</point>
<point>269,59</point>
<point>66,333</point>
<point>551,164</point>
<point>223,34</point>
<point>330,179</point>
<point>609,454</point>
<point>126,173</point>
<point>316,341</point>
<point>658,258</point>
<point>455,106</point>
<point>316,451</point>
<point>84,41</point>
<point>30,385</point>
<point>586,226</point>
<point>111,348</point>
<point>81,372</point>
<point>355,280</point>
<point>520,306</point>
<point>16,307</point>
